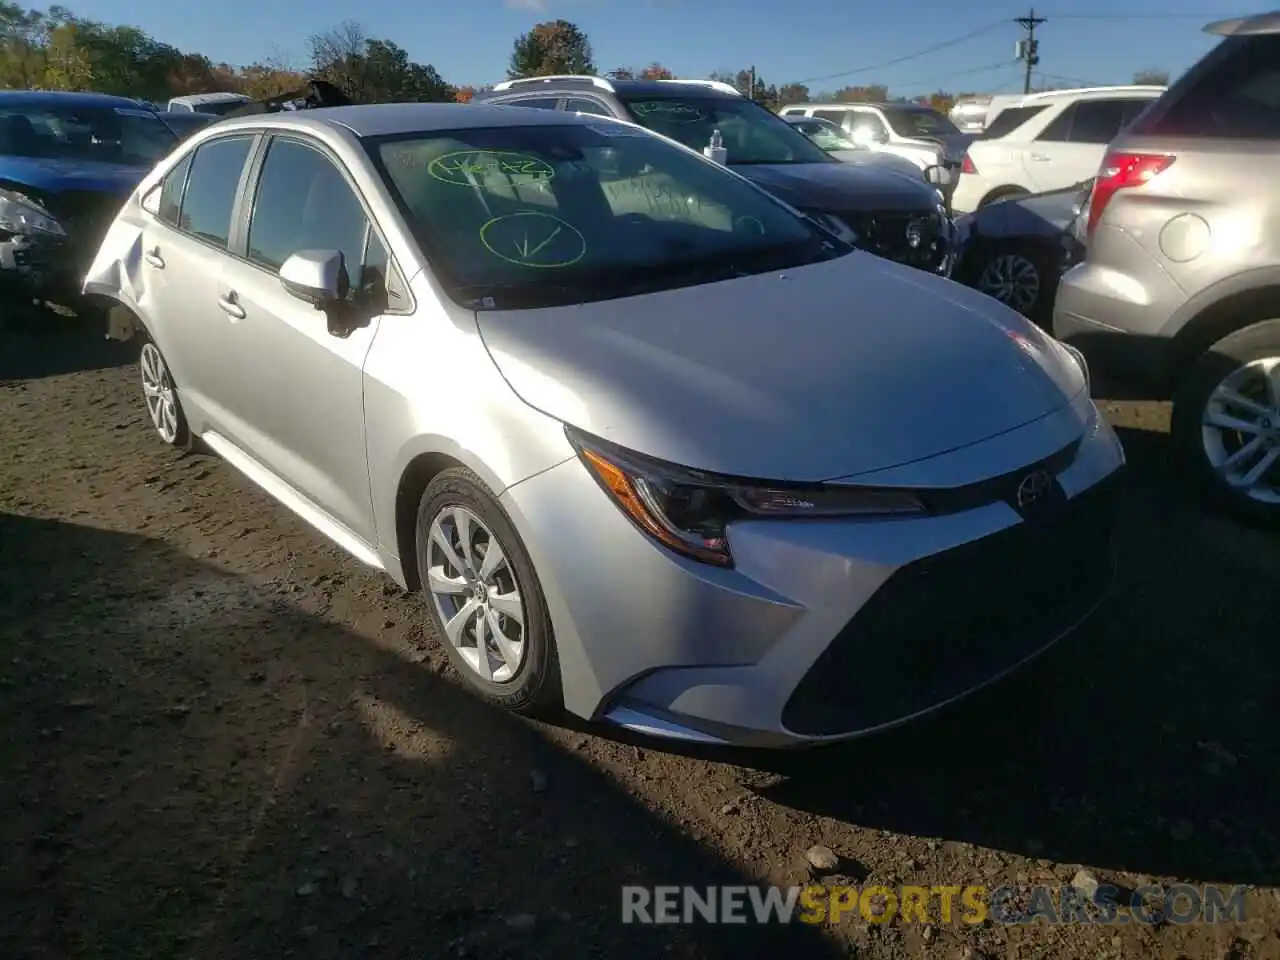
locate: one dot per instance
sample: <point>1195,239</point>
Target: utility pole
<point>1028,51</point>
<point>751,90</point>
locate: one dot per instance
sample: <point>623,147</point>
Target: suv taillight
<point>1120,171</point>
<point>966,165</point>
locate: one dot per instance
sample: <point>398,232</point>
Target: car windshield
<point>126,136</point>
<point>826,135</point>
<point>751,133</point>
<point>918,122</point>
<point>524,216</point>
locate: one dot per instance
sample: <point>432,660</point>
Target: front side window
<point>916,122</point>
<point>751,134</point>
<point>573,213</point>
<point>117,135</point>
<point>834,116</point>
<point>211,188</point>
<point>303,202</point>
<point>1059,128</point>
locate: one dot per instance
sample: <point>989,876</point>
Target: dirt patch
<point>227,739</point>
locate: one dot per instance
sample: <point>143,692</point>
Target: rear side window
<point>1009,120</point>
<point>581,105</point>
<point>1233,93</point>
<point>171,193</point>
<point>540,103</point>
<point>1097,121</point>
<point>211,188</point>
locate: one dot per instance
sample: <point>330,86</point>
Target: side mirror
<point>317,277</point>
<point>937,175</point>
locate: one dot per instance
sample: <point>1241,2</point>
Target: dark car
<point>1016,250</point>
<point>895,216</point>
<point>184,123</point>
<point>67,163</point>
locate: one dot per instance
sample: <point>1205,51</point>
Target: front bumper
<point>825,630</point>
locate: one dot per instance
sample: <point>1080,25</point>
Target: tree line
<point>53,49</point>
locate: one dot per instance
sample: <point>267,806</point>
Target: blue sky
<point>469,42</point>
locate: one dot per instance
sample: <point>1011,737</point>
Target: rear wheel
<point>1226,421</point>
<point>1003,193</point>
<point>161,398</point>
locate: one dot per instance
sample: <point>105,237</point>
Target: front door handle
<point>153,257</point>
<point>227,304</point>
<point>1038,157</point>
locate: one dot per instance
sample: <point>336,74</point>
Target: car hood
<point>56,176</point>
<point>887,162</point>
<point>1046,214</point>
<point>839,187</point>
<point>827,371</point>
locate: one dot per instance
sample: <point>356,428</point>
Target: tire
<point>531,685</point>
<point>1004,264</point>
<point>160,397</point>
<point>1233,361</point>
<point>1003,193</point>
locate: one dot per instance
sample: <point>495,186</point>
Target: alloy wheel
<point>1013,280</point>
<point>476,595</point>
<point>1240,430</point>
<point>158,391</point>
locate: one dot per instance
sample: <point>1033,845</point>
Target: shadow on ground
<point>194,768</point>
<point>45,344</point>
<point>1147,743</point>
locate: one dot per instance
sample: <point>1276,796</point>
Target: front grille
<point>945,624</point>
<point>887,234</point>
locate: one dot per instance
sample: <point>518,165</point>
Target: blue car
<point>67,163</point>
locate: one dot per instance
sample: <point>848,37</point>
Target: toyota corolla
<point>655,447</point>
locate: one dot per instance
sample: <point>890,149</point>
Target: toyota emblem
<point>1034,489</point>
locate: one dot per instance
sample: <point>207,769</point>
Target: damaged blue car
<point>67,163</point>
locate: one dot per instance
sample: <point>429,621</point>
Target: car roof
<point>1257,23</point>
<point>630,88</point>
<point>1152,90</point>
<point>217,97</point>
<point>61,98</point>
<point>388,119</point>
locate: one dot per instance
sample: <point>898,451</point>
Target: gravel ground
<point>227,739</point>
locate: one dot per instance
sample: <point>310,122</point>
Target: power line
<point>910,56</point>
<point>939,78</point>
<point>1135,16</point>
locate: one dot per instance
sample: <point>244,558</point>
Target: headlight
<point>1081,362</point>
<point>22,215</point>
<point>689,511</point>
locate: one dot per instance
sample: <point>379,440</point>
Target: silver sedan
<point>655,447</point>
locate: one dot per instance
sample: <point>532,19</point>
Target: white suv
<point>1047,141</point>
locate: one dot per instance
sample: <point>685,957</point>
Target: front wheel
<point>1226,421</point>
<point>1018,276</point>
<point>484,597</point>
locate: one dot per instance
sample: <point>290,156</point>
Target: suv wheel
<point>1226,420</point>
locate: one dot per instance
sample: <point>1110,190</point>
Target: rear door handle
<point>227,304</point>
<point>1038,157</point>
<point>153,257</point>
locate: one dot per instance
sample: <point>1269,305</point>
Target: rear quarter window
<point>1233,93</point>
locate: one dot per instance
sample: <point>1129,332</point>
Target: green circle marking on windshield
<point>670,110</point>
<point>532,239</point>
<point>462,165</point>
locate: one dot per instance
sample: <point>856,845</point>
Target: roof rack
<point>1118,88</point>
<point>600,82</point>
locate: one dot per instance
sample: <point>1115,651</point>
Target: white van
<point>218,103</point>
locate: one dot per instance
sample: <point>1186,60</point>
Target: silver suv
<point>1179,295</point>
